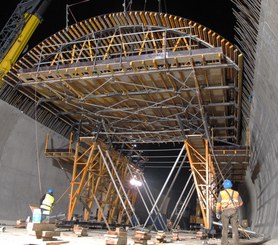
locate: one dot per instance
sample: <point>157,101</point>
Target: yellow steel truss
<point>91,179</point>
<point>203,174</point>
<point>100,179</point>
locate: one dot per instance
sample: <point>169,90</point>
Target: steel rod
<point>166,182</point>
<point>121,185</point>
<point>184,205</point>
<point>240,229</point>
<point>141,196</point>
<point>180,197</point>
<point>152,200</point>
<point>171,186</point>
<point>114,183</point>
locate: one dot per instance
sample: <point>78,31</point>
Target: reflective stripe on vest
<point>47,202</point>
<point>226,201</point>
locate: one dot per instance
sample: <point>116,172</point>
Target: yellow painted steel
<point>32,21</point>
<point>203,174</point>
<point>90,180</point>
<point>91,183</point>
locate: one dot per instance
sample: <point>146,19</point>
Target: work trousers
<point>229,216</point>
<point>45,216</point>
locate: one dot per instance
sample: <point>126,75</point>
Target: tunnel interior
<point>147,81</point>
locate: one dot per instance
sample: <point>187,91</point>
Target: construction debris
<point>49,235</point>
<point>56,242</point>
<point>43,231</point>
<point>20,223</point>
<point>175,236</point>
<point>201,235</point>
<point>141,238</point>
<point>118,237</point>
<point>160,237</point>
<point>80,231</point>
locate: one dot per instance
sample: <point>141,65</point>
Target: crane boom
<point>18,31</point>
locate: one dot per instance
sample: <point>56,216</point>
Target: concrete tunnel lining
<point>263,122</point>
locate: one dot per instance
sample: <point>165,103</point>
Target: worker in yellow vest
<point>228,203</point>
<point>46,206</point>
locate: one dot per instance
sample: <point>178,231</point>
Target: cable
<point>63,195</point>
<point>37,145</point>
<point>145,4</point>
<point>165,6</point>
<point>129,5</point>
<point>159,6</point>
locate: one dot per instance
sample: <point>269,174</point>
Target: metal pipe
<point>239,228</point>
<point>177,221</point>
<point>166,182</point>
<point>102,213</point>
<point>114,183</point>
<point>152,201</point>
<point>121,184</point>
<point>171,186</point>
<point>184,205</point>
<point>181,195</point>
<point>142,198</point>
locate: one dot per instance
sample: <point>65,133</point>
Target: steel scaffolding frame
<point>100,178</point>
<point>98,175</point>
<point>203,174</point>
<point>140,77</point>
<point>140,70</point>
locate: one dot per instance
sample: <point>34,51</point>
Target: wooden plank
<point>56,242</point>
<point>50,233</point>
<point>40,227</point>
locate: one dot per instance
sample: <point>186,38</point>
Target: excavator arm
<point>17,32</point>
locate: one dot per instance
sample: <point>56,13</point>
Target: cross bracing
<point>139,77</point>
<point>143,77</point>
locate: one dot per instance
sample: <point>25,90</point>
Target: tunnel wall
<point>21,142</point>
<point>264,124</point>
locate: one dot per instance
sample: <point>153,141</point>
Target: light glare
<point>135,182</point>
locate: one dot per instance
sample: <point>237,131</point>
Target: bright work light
<point>135,182</point>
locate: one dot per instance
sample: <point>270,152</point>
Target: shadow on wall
<point>255,172</point>
<point>247,205</point>
<point>66,167</point>
<point>63,165</point>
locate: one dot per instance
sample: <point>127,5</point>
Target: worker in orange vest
<point>228,203</point>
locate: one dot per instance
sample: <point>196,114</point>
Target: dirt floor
<point>20,236</point>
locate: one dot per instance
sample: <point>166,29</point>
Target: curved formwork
<point>143,76</point>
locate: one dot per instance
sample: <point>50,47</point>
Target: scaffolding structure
<point>137,78</point>
<point>102,177</point>
<point>140,78</point>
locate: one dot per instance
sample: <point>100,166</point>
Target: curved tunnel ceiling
<point>140,77</point>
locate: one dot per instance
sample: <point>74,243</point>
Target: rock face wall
<point>264,124</point>
<point>24,168</point>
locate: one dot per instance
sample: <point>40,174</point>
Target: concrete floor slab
<point>17,236</point>
<point>20,236</point>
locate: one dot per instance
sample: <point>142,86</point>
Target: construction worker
<point>228,203</point>
<point>46,205</point>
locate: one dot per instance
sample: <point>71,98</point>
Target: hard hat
<point>50,191</point>
<point>227,184</point>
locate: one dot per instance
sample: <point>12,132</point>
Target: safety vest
<point>47,202</point>
<point>228,201</point>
